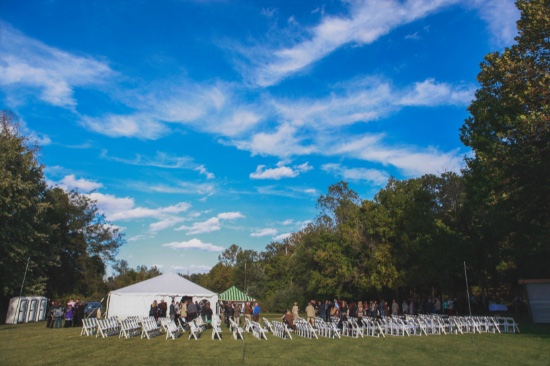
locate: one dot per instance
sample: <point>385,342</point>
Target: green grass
<point>33,344</point>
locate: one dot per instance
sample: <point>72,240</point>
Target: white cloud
<point>374,176</point>
<point>165,223</point>
<point>194,244</point>
<point>124,208</point>
<point>366,22</point>
<point>138,126</point>
<point>160,160</point>
<point>282,236</point>
<point>430,93</point>
<point>82,185</point>
<point>264,232</point>
<point>202,170</point>
<point>28,63</point>
<point>280,172</point>
<point>208,226</point>
<point>201,268</point>
<point>108,203</point>
<point>230,215</point>
<point>501,17</point>
<point>412,160</point>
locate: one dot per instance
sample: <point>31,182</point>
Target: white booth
<point>26,309</point>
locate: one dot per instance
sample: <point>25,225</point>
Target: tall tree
<point>509,132</point>
<point>22,208</point>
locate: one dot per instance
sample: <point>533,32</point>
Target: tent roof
<point>169,284</point>
<point>234,294</point>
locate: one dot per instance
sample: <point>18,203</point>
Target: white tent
<point>136,300</point>
<point>26,309</point>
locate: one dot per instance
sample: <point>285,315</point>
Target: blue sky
<point>200,124</point>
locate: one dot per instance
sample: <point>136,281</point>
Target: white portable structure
<point>26,309</point>
<point>538,293</point>
<point>136,300</point>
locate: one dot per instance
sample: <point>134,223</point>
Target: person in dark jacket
<point>49,316</point>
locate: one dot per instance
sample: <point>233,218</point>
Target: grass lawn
<point>33,344</point>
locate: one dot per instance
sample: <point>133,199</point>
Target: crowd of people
<point>374,309</point>
<point>61,316</point>
<point>181,311</point>
<point>234,310</point>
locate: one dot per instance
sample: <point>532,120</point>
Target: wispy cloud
<point>281,171</point>
<point>373,176</point>
<point>82,185</point>
<point>160,160</point>
<point>365,22</point>
<point>194,244</point>
<point>210,225</point>
<point>263,232</point>
<point>28,63</point>
<point>202,170</point>
<point>136,125</point>
<point>411,160</point>
<point>282,236</point>
<point>200,268</point>
<point>501,17</point>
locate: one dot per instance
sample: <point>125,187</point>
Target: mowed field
<point>33,344</point>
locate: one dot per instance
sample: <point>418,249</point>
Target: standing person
<point>328,309</point>
<point>382,308</point>
<point>360,310</point>
<point>69,316</point>
<point>295,312</point>
<point>437,306</point>
<point>208,313</point>
<point>237,313</point>
<point>394,307</point>
<point>172,310</point>
<point>256,312</point>
<point>322,310</point>
<point>191,310</point>
<point>411,308</point>
<point>405,307</point>
<point>178,313</point>
<point>248,311</point>
<point>58,315</point>
<point>49,318</point>
<point>184,313</point>
<point>153,311</point>
<point>310,311</point>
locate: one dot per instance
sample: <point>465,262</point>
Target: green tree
<point>22,208</point>
<point>508,179</point>
<point>83,243</point>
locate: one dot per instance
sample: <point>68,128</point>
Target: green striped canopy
<point>234,294</point>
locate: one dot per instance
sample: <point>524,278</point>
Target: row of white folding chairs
<point>173,331</point>
<point>281,330</point>
<point>89,326</point>
<point>129,327</point>
<point>238,332</point>
<point>107,327</point>
<point>352,328</point>
<point>372,328</point>
<point>216,327</point>
<point>268,325</point>
<point>325,329</point>
<point>304,329</point>
<point>149,328</point>
<point>257,330</point>
<point>507,324</point>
